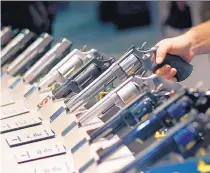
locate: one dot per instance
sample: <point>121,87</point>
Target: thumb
<point>164,47</point>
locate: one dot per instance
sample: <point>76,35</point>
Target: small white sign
<point>57,168</point>
<point>12,111</point>
<point>26,138</point>
<point>8,126</point>
<point>40,153</point>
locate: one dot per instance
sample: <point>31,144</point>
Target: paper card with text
<point>53,168</point>
<point>14,109</point>
<point>31,154</point>
<point>29,137</point>
<point>9,125</point>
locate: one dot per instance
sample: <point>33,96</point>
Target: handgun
<point>27,58</point>
<point>6,35</point>
<point>123,94</point>
<point>66,67</point>
<point>134,61</point>
<point>165,115</point>
<point>49,60</point>
<point>110,127</point>
<point>87,74</point>
<point>16,46</point>
<point>184,138</point>
<point>131,115</point>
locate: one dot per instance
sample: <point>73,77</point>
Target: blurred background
<point>108,26</point>
<point>114,26</point>
<point>111,27</point>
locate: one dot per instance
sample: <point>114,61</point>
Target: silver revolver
<point>133,62</point>
<point>30,55</point>
<point>66,67</point>
<point>16,46</point>
<point>124,94</point>
<point>84,76</point>
<point>49,60</point>
<point>6,34</point>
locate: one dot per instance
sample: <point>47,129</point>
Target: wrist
<point>191,37</point>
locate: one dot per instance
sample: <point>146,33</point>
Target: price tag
<point>57,168</point>
<point>12,111</point>
<point>27,138</point>
<point>8,126</point>
<point>40,153</point>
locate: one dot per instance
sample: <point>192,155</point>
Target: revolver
<point>49,60</point>
<point>7,34</point>
<point>16,46</point>
<point>124,94</point>
<point>27,58</point>
<point>134,61</point>
<point>66,67</point>
<point>145,103</point>
<point>87,74</point>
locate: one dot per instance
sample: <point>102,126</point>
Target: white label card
<point>40,153</point>
<point>13,111</point>
<point>27,138</point>
<point>57,168</point>
<point>8,126</point>
<point>6,98</point>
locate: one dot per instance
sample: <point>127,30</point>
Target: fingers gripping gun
<point>134,61</point>
<point>87,74</point>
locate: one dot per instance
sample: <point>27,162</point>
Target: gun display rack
<point>52,123</point>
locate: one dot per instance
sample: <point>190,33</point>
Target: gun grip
<point>184,69</point>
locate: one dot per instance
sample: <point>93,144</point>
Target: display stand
<point>5,78</point>
<point>27,112</point>
<point>17,89</point>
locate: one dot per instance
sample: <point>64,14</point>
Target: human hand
<point>180,46</point>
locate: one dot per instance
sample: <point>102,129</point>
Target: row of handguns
<point>141,103</point>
